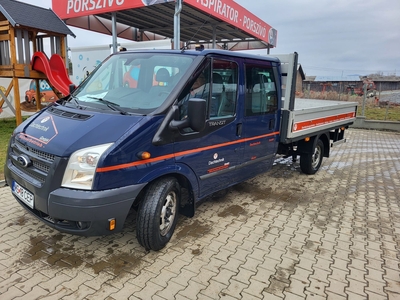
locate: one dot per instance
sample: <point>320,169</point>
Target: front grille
<point>41,162</point>
<point>22,148</point>
<point>42,167</point>
<point>44,155</point>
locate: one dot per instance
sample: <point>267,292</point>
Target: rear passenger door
<point>261,123</point>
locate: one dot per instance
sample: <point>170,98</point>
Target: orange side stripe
<point>322,121</point>
<point>182,153</point>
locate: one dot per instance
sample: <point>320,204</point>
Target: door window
<point>261,95</point>
<point>224,89</point>
<point>217,85</point>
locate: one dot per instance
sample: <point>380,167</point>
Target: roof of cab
<point>206,52</point>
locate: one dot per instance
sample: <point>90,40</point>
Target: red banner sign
<point>225,10</point>
<point>234,14</point>
<point>67,9</point>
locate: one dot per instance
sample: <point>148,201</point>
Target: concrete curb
<point>362,123</point>
<point>2,183</point>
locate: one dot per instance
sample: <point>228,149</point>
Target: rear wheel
<point>310,162</point>
<point>158,214</point>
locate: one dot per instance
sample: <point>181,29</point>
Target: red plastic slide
<point>54,69</point>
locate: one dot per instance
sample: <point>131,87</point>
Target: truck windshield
<point>133,82</point>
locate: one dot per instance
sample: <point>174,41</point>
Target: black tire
<point>158,214</point>
<point>310,162</point>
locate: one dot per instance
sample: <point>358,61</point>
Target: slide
<point>54,69</point>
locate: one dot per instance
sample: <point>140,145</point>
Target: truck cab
<point>159,145</point>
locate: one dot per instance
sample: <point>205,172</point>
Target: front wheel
<point>158,214</point>
<point>310,162</point>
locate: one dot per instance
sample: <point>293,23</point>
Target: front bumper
<point>79,212</point>
<point>87,213</point>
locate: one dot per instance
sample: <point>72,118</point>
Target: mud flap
<point>187,207</point>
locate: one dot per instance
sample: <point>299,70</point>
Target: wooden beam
<point>13,47</point>
<point>17,101</point>
<point>4,37</point>
<point>10,86</point>
<point>9,73</point>
<point>38,99</point>
<point>6,73</point>
<point>32,74</point>
<point>34,45</point>
<point>63,50</point>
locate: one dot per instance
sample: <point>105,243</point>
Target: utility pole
<point>364,99</point>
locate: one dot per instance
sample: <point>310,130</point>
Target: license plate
<point>24,195</point>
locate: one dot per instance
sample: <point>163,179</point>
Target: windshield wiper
<point>75,101</point>
<point>112,105</point>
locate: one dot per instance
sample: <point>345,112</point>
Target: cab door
<point>261,118</point>
<point>214,153</point>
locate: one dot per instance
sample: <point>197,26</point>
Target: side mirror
<point>197,110</point>
<point>71,87</point>
<point>196,116</point>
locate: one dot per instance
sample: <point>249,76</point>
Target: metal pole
<point>114,31</point>
<point>177,24</point>
<point>214,44</point>
<point>364,99</point>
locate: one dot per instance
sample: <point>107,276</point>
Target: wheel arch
<point>186,179</point>
<point>308,147</point>
<point>325,139</point>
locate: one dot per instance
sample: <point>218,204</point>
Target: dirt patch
<point>195,229</point>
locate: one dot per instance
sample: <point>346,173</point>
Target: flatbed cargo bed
<point>313,115</point>
<point>307,117</point>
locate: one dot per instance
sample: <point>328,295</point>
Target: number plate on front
<point>24,195</point>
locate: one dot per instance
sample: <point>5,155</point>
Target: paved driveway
<point>281,235</point>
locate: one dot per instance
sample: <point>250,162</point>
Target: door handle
<point>272,124</point>
<point>239,129</point>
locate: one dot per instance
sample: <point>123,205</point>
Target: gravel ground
<point>391,96</point>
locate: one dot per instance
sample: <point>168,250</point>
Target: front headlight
<point>81,167</point>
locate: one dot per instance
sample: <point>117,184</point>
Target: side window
<point>223,89</point>
<point>199,87</point>
<point>261,95</point>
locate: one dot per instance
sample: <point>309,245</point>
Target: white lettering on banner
<point>254,26</point>
<point>221,8</point>
<point>78,6</point>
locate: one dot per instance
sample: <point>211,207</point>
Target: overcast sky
<point>333,38</point>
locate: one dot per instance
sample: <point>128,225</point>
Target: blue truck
<point>195,123</point>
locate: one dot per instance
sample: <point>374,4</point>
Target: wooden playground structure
<point>18,42</point>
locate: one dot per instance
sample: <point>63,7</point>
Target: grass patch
<point>7,126</point>
<point>381,111</point>
<point>388,113</point>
